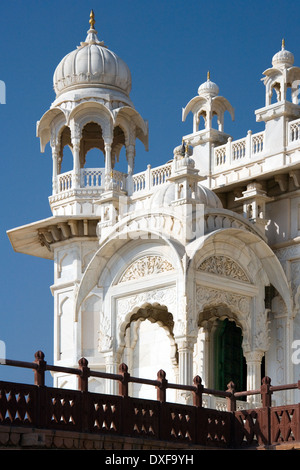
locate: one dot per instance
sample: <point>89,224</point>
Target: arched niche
<point>90,319</point>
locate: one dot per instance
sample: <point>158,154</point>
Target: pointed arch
<point>87,112</point>
<point>272,268</point>
<point>111,246</point>
<point>127,115</point>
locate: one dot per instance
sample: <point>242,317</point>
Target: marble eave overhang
<point>284,164</point>
<point>35,239</point>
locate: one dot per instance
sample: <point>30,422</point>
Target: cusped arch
<point>216,310</point>
<point>49,126</point>
<point>150,306</point>
<point>127,115</point>
<point>88,112</point>
<point>154,312</point>
<point>213,304</point>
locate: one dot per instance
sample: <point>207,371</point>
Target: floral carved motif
<point>146,266</point>
<point>206,296</point>
<point>223,266</point>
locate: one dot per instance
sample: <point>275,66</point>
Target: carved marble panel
<point>223,266</point>
<point>146,266</point>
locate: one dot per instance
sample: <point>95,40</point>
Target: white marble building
<point>192,266</point>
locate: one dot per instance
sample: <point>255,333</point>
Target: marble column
<point>111,367</point>
<point>76,163</point>
<point>253,360</point>
<point>54,170</point>
<point>108,164</point>
<point>185,360</point>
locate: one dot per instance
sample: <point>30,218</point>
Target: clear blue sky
<point>169,46</point>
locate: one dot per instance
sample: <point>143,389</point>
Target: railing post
<point>84,375</point>
<point>249,144</point>
<point>266,392</point>
<point>123,383</point>
<point>83,378</point>
<point>265,425</point>
<point>162,387</point>
<point>39,372</point>
<point>197,394</point>
<point>231,401</point>
<point>229,151</point>
<point>148,178</point>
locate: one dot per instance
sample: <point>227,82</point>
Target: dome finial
<point>208,75</point>
<point>92,20</point>
<point>283,44</point>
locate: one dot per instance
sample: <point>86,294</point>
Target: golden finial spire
<point>208,75</point>
<point>92,20</point>
<point>283,44</point>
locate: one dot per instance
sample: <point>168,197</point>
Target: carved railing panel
<point>217,427</point>
<point>285,424</point>
<point>251,427</point>
<point>62,409</point>
<point>179,423</point>
<point>104,413</point>
<point>17,404</point>
<point>142,418</point>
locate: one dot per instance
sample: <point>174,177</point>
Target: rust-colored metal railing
<point>83,411</point>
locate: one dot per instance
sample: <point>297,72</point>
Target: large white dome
<point>164,196</point>
<point>92,64</point>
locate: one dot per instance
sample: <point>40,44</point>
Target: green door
<point>229,360</point>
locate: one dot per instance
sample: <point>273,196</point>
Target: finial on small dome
<point>283,44</point>
<point>92,34</point>
<point>92,20</point>
<point>208,75</point>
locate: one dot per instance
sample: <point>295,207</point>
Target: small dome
<point>165,195</point>
<point>92,64</point>
<point>208,88</point>
<point>283,58</point>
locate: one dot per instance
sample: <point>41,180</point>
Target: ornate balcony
<point>46,412</point>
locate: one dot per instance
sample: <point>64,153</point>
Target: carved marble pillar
<point>253,360</point>
<point>55,161</point>
<point>111,367</point>
<point>130,154</point>
<point>108,163</point>
<point>76,163</point>
<point>185,363</point>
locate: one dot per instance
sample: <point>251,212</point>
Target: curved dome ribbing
<point>283,58</point>
<point>92,64</point>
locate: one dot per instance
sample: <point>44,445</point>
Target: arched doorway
<point>229,361</point>
<point>149,347</point>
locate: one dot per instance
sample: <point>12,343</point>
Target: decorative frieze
<point>223,266</point>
